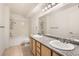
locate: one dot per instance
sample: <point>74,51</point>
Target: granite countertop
<point>45,40</point>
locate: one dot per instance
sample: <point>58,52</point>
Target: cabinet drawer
<point>38,44</point>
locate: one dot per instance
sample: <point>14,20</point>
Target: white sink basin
<point>37,36</point>
<point>61,45</point>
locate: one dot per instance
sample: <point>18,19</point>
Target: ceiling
<point>22,8</point>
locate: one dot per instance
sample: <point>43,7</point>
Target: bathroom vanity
<point>40,47</point>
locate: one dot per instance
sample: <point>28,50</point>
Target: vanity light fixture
<point>44,9</point>
<point>48,6</point>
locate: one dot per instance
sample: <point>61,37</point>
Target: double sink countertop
<point>45,41</point>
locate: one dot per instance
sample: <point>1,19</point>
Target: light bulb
<point>45,8</point>
<point>49,6</point>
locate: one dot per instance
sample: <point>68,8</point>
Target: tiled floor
<point>18,51</point>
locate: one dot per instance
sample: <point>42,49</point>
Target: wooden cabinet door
<point>45,51</point>
<point>54,54</point>
<point>31,44</point>
<point>38,44</point>
<point>38,49</point>
<point>37,54</point>
<point>33,47</point>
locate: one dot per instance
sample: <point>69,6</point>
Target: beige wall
<point>4,32</point>
<point>21,26</point>
<point>34,20</point>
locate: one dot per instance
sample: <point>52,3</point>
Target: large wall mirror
<point>62,23</point>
